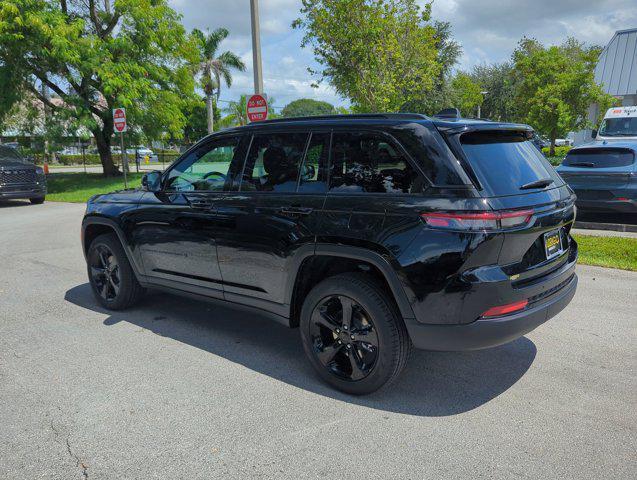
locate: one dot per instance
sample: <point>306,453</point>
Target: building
<point>616,71</point>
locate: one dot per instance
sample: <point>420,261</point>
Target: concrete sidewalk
<point>602,233</point>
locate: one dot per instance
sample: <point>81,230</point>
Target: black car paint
<point>439,279</point>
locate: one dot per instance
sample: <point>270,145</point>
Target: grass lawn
<point>79,187</point>
<point>612,252</point>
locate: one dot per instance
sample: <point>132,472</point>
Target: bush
<point>559,151</point>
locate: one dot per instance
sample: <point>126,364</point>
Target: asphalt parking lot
<point>181,389</point>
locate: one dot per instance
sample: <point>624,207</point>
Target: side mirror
<point>151,181</point>
<point>594,133</point>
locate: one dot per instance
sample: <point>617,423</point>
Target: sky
<point>488,31</point>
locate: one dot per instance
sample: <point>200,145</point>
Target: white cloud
<point>488,30</point>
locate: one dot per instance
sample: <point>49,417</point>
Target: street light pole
<point>256,47</point>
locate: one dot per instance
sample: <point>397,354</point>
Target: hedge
<point>559,151</point>
<point>94,159</point>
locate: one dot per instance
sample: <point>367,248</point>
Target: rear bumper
<point>8,192</point>
<point>485,333</point>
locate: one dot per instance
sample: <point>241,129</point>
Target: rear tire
<point>367,355</point>
<point>37,200</point>
<point>110,274</point>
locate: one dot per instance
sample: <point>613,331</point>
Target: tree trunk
<point>106,157</point>
<point>552,147</point>
<point>210,113</point>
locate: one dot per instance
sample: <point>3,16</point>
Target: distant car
<point>20,178</point>
<point>603,175</point>
<point>563,142</point>
<point>141,153</point>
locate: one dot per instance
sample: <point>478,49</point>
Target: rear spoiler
<point>452,128</point>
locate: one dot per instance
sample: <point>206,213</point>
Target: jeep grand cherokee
<point>372,233</point>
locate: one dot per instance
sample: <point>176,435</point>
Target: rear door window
<point>314,171</point>
<point>369,162</point>
<point>505,162</point>
<point>599,158</point>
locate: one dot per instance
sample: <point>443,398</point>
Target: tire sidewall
<point>383,318</point>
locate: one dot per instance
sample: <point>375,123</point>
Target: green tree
<point>214,68</point>
<point>380,54</point>
<point>555,86</point>
<point>237,112</point>
<point>197,121</point>
<point>440,96</point>
<point>97,55</point>
<point>306,107</point>
<point>498,81</point>
<point>466,94</point>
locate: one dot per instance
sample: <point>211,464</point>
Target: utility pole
<point>256,47</point>
<point>480,104</point>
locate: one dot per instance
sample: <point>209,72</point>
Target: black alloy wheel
<point>111,276</point>
<point>105,273</point>
<point>353,334</point>
<point>344,337</point>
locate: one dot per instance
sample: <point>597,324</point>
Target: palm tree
<point>238,112</point>
<point>214,68</point>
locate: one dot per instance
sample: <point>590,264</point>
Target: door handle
<point>296,210</point>
<point>200,203</point>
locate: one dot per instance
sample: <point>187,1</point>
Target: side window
<point>368,162</point>
<point>206,168</point>
<point>273,162</point>
<point>314,170</point>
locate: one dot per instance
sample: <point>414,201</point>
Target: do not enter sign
<point>257,108</point>
<point>119,120</point>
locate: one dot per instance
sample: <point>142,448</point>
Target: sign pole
<point>256,47</point>
<point>124,159</point>
<point>119,124</point>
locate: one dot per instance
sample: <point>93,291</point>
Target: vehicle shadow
<point>433,384</point>
<point>14,203</point>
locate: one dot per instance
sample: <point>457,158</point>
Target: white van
<point>620,123</point>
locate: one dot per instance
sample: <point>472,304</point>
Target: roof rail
<point>357,116</point>
<point>450,113</point>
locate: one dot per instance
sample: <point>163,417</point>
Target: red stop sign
<point>119,120</point>
<point>257,108</point>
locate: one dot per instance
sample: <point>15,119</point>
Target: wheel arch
<point>92,227</point>
<point>345,258</point>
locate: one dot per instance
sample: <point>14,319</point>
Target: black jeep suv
<point>372,233</point>
<point>20,178</point>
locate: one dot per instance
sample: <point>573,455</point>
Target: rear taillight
<point>505,309</point>
<point>478,220</point>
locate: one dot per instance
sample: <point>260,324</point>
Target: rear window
<point>599,158</point>
<point>504,162</point>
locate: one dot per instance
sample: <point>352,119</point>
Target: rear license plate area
<point>553,244</point>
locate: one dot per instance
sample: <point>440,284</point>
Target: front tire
<point>110,274</point>
<point>353,334</point>
<point>37,200</point>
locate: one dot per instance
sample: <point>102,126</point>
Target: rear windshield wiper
<point>544,182</point>
<point>581,164</point>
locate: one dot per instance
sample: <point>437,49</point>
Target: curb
<point>613,227</point>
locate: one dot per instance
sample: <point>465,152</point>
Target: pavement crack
<point>78,461</point>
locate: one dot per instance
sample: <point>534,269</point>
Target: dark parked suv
<point>20,178</point>
<point>372,233</point>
